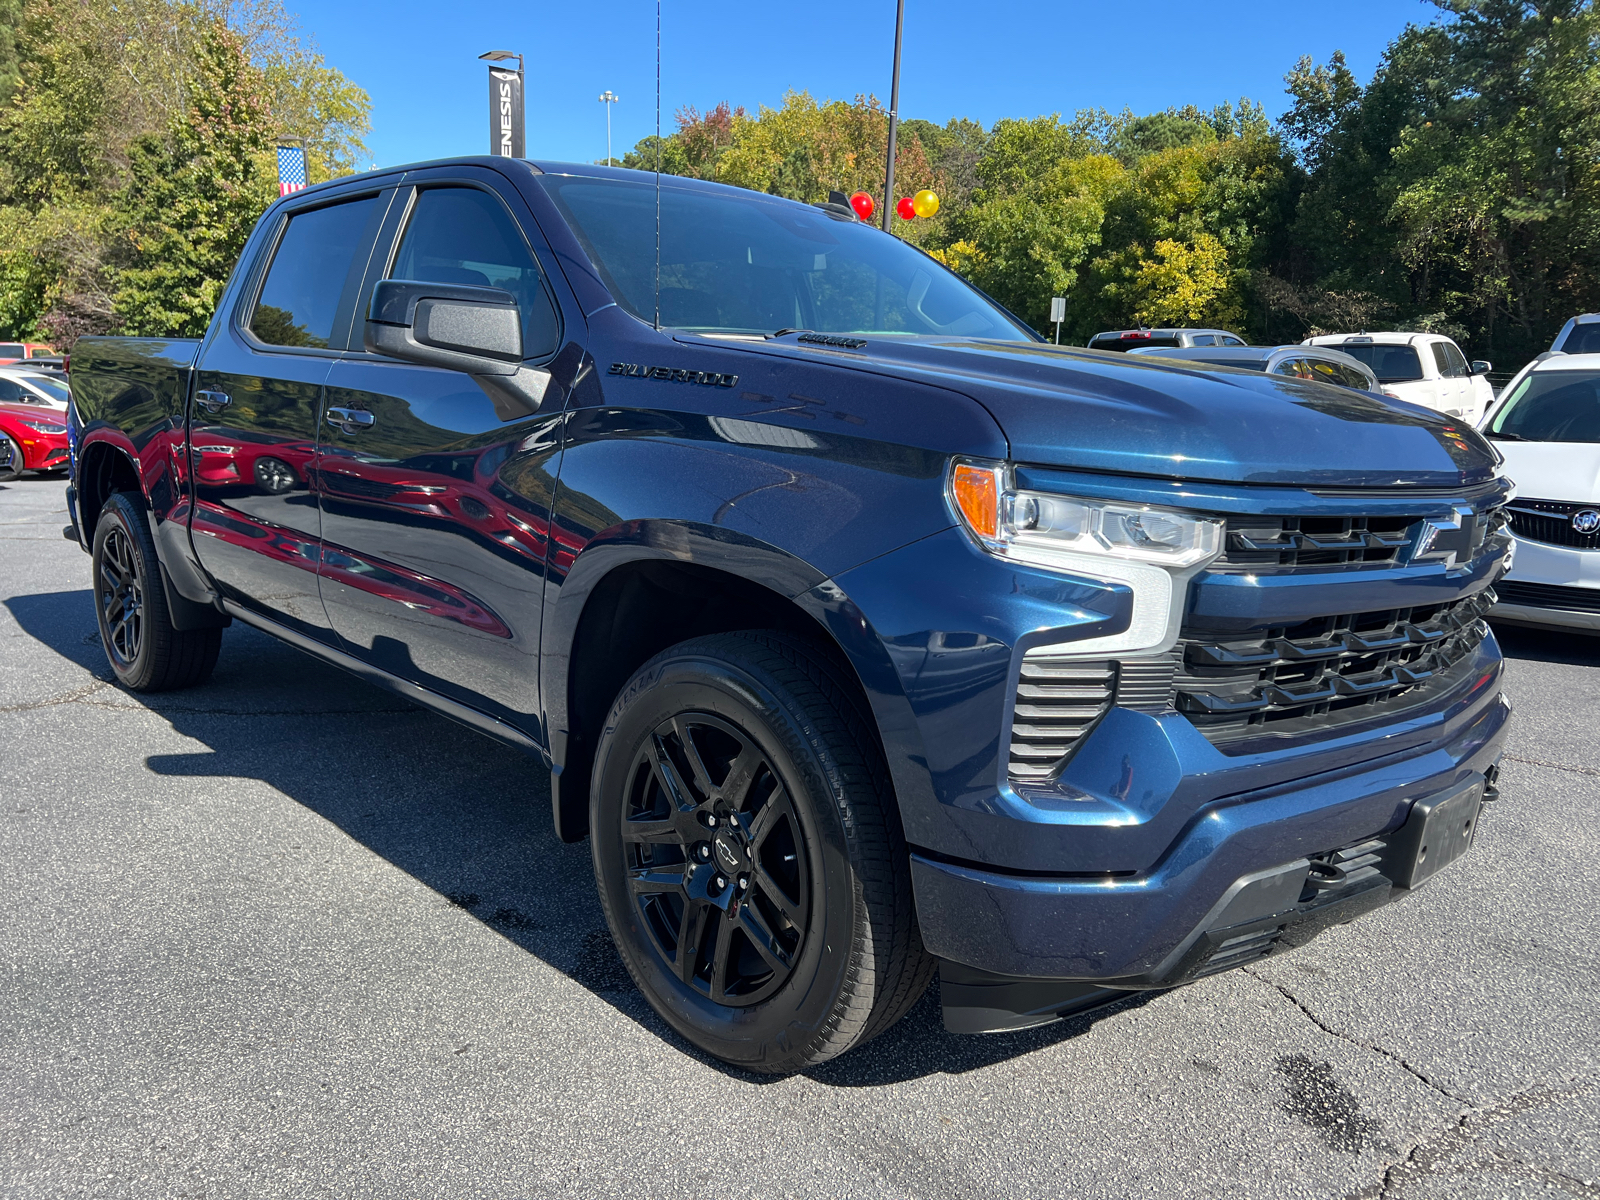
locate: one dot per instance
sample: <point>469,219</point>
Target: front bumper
<point>1552,586</point>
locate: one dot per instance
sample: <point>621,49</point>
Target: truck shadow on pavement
<point>465,816</point>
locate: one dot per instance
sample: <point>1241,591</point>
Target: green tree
<point>194,195</point>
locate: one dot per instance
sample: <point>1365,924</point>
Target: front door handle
<point>350,420</point>
<point>213,402</point>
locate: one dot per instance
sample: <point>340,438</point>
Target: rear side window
<point>1449,360</point>
<point>1391,364</point>
<point>11,350</point>
<point>1204,339</point>
<point>462,235</point>
<point>1584,339</point>
<point>300,297</point>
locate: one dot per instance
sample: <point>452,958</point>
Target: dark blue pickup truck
<point>865,635</point>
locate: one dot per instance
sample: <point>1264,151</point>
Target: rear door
<point>258,399</point>
<point>435,509</point>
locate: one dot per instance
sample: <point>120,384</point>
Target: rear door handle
<point>350,420</point>
<point>213,402</point>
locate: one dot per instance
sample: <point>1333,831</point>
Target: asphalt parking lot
<point>283,935</point>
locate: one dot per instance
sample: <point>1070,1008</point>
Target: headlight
<point>43,426</point>
<point>1153,551</point>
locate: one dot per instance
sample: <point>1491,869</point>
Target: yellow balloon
<point>925,203</point>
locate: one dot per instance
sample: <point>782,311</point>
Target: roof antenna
<point>658,166</point>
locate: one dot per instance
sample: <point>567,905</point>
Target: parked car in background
<point>1580,335</point>
<point>21,350</point>
<point>1132,339</point>
<point>31,439</point>
<point>1548,428</point>
<point>1298,362</point>
<point>18,385</point>
<point>1421,368</point>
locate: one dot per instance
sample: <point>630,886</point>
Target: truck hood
<point>1554,470</point>
<point>1100,411</point>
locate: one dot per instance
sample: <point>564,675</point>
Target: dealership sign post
<point>506,123</point>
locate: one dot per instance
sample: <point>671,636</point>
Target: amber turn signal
<point>976,491</point>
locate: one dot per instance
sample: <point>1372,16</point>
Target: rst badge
<point>673,374</point>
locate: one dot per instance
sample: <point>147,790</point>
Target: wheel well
<point>635,612</point>
<point>105,470</point>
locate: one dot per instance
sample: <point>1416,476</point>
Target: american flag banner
<point>291,169</point>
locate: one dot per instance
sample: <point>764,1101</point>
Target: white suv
<point>1548,428</point>
<point>1421,368</point>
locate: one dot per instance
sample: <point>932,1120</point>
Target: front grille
<point>1550,521</point>
<point>1058,699</point>
<point>1548,595</point>
<point>1271,545</point>
<point>1323,672</point>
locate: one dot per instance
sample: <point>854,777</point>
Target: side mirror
<point>1481,366</point>
<point>472,329</point>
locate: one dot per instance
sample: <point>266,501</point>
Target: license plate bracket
<point>1439,830</point>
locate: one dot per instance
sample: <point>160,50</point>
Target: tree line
<point>1455,191</point>
<point>137,150</point>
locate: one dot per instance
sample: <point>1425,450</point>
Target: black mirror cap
<point>1481,366</point>
<point>472,329</point>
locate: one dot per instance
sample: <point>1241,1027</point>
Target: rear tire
<point>749,853</point>
<point>144,650</point>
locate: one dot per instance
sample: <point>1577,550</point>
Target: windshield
<point>1552,406</point>
<point>1391,364</point>
<point>53,388</point>
<point>1584,339</point>
<point>745,263</point>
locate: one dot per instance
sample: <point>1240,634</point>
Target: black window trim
<point>250,296</point>
<point>381,259</point>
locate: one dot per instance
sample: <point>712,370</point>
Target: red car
<point>32,438</point>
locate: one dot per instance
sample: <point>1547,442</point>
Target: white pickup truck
<point>1421,368</point>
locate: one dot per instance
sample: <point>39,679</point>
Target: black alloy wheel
<point>714,858</point>
<point>11,460</point>
<point>748,851</point>
<point>274,476</point>
<point>145,651</point>
<point>120,592</point>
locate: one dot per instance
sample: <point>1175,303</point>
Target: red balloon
<point>863,205</point>
<point>904,208</point>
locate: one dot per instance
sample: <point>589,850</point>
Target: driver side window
<point>464,235</point>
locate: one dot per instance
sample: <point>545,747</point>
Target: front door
<point>253,422</point>
<point>435,511</point>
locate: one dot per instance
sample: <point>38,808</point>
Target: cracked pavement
<point>282,935</point>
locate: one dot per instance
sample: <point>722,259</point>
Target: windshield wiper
<point>1505,437</point>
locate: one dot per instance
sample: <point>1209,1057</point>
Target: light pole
<point>608,98</point>
<point>506,117</point>
<point>894,116</point>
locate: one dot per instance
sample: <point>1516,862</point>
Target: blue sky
<point>974,59</point>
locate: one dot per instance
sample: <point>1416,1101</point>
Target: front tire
<point>146,653</point>
<point>749,853</point>
<point>11,461</point>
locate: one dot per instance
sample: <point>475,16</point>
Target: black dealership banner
<point>505,113</point>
